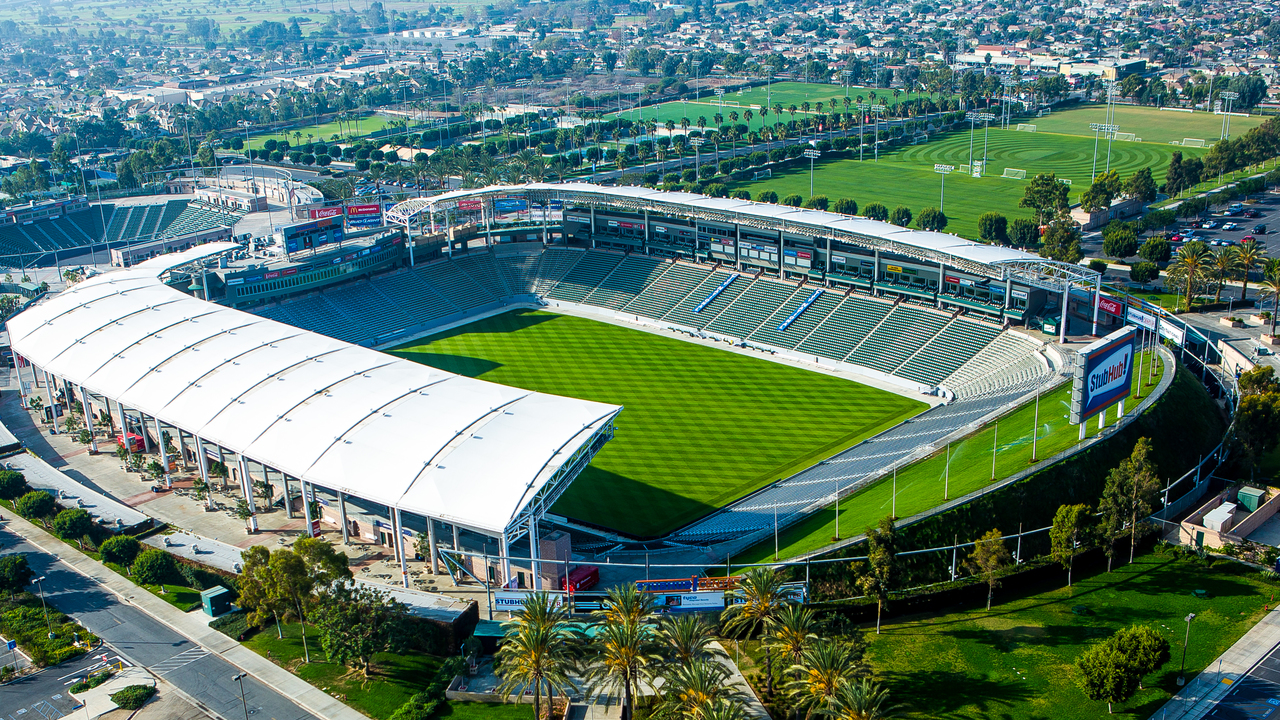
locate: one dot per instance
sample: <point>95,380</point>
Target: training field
<point>1148,123</point>
<point>928,483</point>
<point>701,426</point>
<point>904,175</point>
<point>325,131</point>
<point>786,93</point>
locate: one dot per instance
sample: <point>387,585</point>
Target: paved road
<point>1256,695</point>
<point>45,695</point>
<point>146,642</point>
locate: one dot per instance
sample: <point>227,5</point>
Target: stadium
<point>348,370</point>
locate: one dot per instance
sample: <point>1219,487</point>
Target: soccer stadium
<point>618,364</point>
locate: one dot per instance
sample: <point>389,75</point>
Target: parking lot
<point>1256,695</point>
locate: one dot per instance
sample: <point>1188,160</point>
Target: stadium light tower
<point>1097,128</point>
<point>720,94</point>
<point>972,117</point>
<point>1006,102</point>
<point>986,119</point>
<point>862,116</point>
<point>812,154</point>
<point>253,184</point>
<point>1226,116</point>
<point>942,170</point>
<point>878,110</point>
<point>696,143</point>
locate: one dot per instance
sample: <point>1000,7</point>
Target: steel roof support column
<point>1062,324</point>
<point>19,361</point>
<point>1008,291</point>
<point>504,548</point>
<point>146,436</point>
<point>246,486</point>
<point>306,507</point>
<point>942,279</point>
<point>593,228</point>
<point>533,552</point>
<point>203,459</point>
<point>342,516</point>
<point>182,449</point>
<point>404,560</point>
<point>49,403</point>
<point>1097,299</point>
<point>88,421</point>
<point>433,551</point>
<point>164,454</point>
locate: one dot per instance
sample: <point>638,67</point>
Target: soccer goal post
<point>1015,174</point>
<point>763,174</point>
<point>1129,137</point>
<point>1026,127</point>
<point>1192,142</point>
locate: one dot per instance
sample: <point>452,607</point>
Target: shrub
<point>845,206</point>
<point>73,524</point>
<point>876,211</point>
<point>1098,266</point>
<point>1144,272</point>
<point>993,228</point>
<point>120,549</point>
<point>817,202</point>
<point>767,196</point>
<point>1156,250</point>
<point>12,484</point>
<point>901,216</point>
<point>234,624</point>
<point>156,567</point>
<point>740,195</point>
<point>793,200</point>
<point>931,218</point>
<point>93,682</point>
<point>35,504</point>
<point>1025,232</point>
<point>134,696</point>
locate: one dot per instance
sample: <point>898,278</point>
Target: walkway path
<point>97,614</point>
<point>1199,696</point>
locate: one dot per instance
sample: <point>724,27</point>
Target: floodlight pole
<point>986,124</point>
<point>1229,97</point>
<point>812,154</point>
<point>995,443</point>
<point>943,170</point>
<point>972,117</point>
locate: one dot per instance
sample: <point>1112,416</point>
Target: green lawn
<point>486,711</point>
<point>394,679</point>
<point>701,426</point>
<point>325,131</point>
<point>786,93</point>
<point>924,484</point>
<point>1017,661</point>
<point>905,175</point>
<point>1148,123</point>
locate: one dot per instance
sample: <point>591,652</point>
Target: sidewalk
<point>1201,694</point>
<point>191,626</point>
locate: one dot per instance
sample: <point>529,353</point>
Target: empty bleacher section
<point>675,284</point>
<point>585,276</point>
<point>520,272</point>
<point>456,286</point>
<point>482,268</point>
<point>686,311</point>
<point>627,280</point>
<point>959,340</point>
<point>555,264</point>
<point>369,308</point>
<point>903,331</point>
<point>196,216</point>
<point>801,326</point>
<point>1010,363</point>
<point>755,305</point>
<point>90,222</point>
<point>414,296</point>
<point>842,330</point>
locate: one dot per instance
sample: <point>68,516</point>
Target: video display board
<point>1104,375</point>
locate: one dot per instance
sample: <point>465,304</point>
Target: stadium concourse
<point>428,446</point>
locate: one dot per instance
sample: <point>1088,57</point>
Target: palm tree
<point>1270,288</point>
<point>790,632</point>
<point>1252,254</point>
<point>761,593</point>
<point>1226,265</point>
<point>623,648</point>
<point>825,668</point>
<point>686,638</point>
<point>690,687</point>
<point>1189,268</point>
<point>861,700</point>
<point>537,651</point>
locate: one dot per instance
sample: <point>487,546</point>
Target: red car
<point>135,442</point>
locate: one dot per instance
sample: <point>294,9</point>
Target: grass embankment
<point>924,484</point>
<point>701,427</point>
<point>1017,661</point>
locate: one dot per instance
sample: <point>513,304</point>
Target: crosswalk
<point>180,660</point>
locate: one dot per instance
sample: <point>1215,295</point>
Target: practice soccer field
<point>905,175</point>
<point>786,93</point>
<point>1151,124</point>
<point>701,426</point>
<point>325,131</point>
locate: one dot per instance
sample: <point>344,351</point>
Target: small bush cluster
<point>425,704</point>
<point>234,624</point>
<point>23,620</point>
<point>133,697</point>
<point>91,682</point>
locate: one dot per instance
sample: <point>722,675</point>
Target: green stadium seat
<point>627,280</point>
<point>585,276</point>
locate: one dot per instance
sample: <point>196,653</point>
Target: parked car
<point>1209,224</point>
<point>1260,229</point>
<point>1251,213</point>
<point>1231,226</point>
<point>1247,238</point>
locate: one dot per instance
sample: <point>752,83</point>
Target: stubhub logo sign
<point>1112,372</point>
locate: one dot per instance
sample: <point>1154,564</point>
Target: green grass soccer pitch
<point>1150,124</point>
<point>701,426</point>
<point>905,176</point>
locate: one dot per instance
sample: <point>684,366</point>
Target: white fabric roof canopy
<point>344,417</point>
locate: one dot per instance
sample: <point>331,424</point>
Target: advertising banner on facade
<point>1104,375</point>
<point>364,216</point>
<point>325,212</point>
<point>1108,305</point>
<point>512,600</point>
<point>709,601</point>
<point>1142,319</point>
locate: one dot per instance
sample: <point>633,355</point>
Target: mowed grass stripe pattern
<point>701,427</point>
<point>905,175</point>
<point>1150,124</point>
<point>924,484</point>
